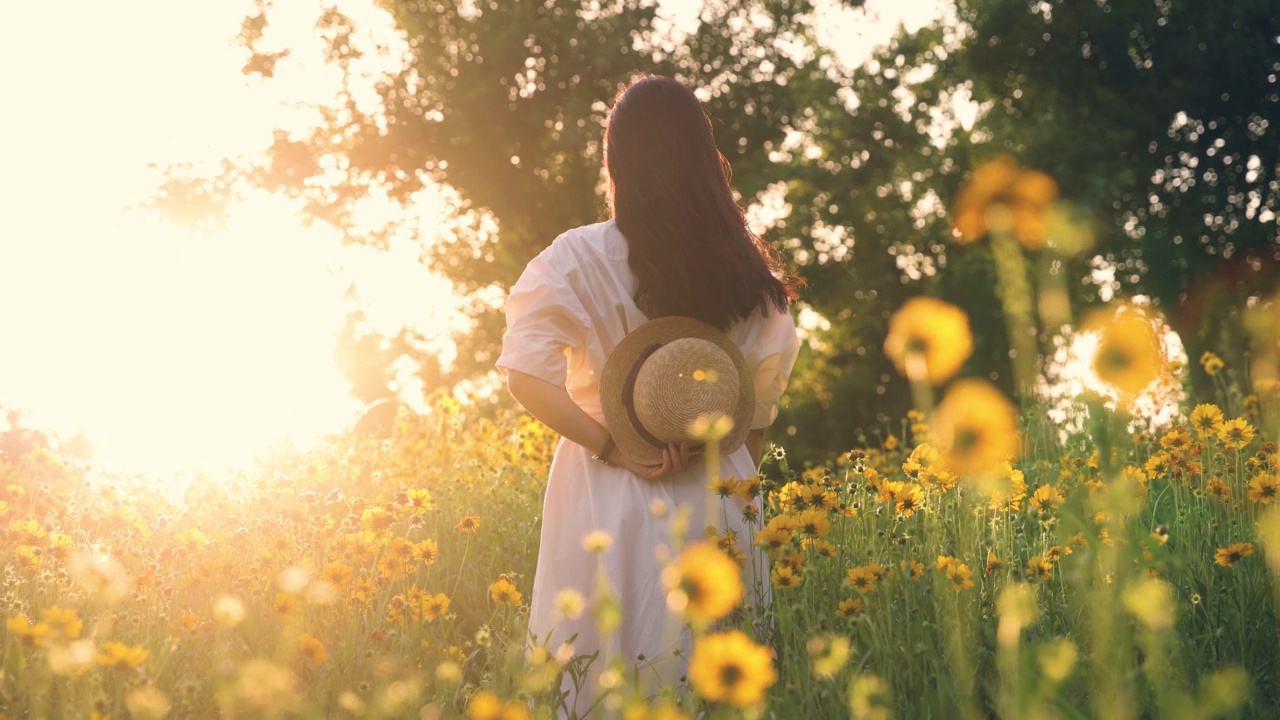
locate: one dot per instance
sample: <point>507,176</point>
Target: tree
<point>502,105</point>
<point>1155,119</point>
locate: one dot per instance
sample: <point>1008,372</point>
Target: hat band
<point>628,399</point>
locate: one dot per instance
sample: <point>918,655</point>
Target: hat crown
<point>682,381</point>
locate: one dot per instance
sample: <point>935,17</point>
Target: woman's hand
<point>674,459</point>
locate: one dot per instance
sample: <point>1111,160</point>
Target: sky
<point>171,348</point>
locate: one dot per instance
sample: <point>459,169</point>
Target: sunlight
<point>1069,377</point>
<point>169,348</point>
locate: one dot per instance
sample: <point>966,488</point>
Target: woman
<point>677,245</point>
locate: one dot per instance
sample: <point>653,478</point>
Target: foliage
<point>1153,118</point>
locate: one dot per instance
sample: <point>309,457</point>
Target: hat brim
<point>620,362</point>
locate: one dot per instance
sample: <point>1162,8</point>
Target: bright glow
<point>1068,376</point>
<point>169,348</point>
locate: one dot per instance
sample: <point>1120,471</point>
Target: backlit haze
<point>169,347</point>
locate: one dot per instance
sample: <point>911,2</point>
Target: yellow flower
<point>1005,489</point>
<point>704,584</point>
<point>912,569</point>
<point>813,522</point>
<point>862,578</point>
<point>728,667</point>
<point>503,592</point>
<point>21,627</point>
<point>1219,489</point>
<point>1039,567</point>
<point>434,606</point>
<point>959,574</point>
<point>469,524</point>
<point>976,427</point>
<point>1211,363</point>
<point>1151,602</point>
<point>1207,420</point>
<point>376,519</point>
<point>1176,439</point>
<point>724,487</point>
<point>785,576</point>
<point>419,499</point>
<point>147,703</point>
<point>570,603</point>
<point>869,698</point>
<point>1262,489</point>
<point>65,622</point>
<point>773,537</point>
<point>1130,355</point>
<point>312,649</point>
<point>484,705</point>
<point>849,607</point>
<point>1000,195</point>
<point>824,548</point>
<point>596,541</point>
<point>908,499</point>
<point>1231,554</point>
<point>337,574</point>
<point>1046,499</point>
<point>994,563</point>
<point>426,551</point>
<point>27,532</point>
<point>829,654</point>
<point>1235,434</point>
<point>118,655</point>
<point>928,339</point>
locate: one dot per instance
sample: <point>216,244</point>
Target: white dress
<point>569,309</point>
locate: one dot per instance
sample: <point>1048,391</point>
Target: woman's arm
<point>553,407</point>
<point>755,445</point>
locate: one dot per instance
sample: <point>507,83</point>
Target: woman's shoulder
<point>587,242</point>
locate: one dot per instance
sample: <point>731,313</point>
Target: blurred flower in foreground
<point>1130,355</point>
<point>1151,602</point>
<point>484,705</point>
<point>21,627</point>
<point>1002,196</point>
<point>928,339</point>
<point>147,702</point>
<point>829,654</point>
<point>1057,658</point>
<point>1262,320</point>
<point>728,667</point>
<point>975,427</point>
<point>703,583</point>
<point>118,655</point>
<point>869,698</point>
<point>101,574</point>
<point>265,688</point>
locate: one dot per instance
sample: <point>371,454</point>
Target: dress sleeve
<point>772,358</point>
<point>545,319</point>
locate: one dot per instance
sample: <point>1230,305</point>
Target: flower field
<point>1101,575</point>
<point>1110,550</point>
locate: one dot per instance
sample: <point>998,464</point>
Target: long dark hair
<point>689,245</point>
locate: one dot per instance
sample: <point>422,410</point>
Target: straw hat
<point>664,377</point>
